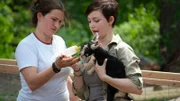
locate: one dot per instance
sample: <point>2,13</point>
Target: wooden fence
<point>149,78</point>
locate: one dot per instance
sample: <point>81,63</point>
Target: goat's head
<point>87,50</point>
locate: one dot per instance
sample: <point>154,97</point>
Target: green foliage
<point>6,30</point>
<point>76,11</point>
<point>14,22</point>
<point>137,25</point>
<point>73,35</point>
<point>141,31</point>
<point>8,96</point>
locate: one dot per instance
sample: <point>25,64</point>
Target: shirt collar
<point>116,39</point>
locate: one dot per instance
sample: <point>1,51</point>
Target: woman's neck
<point>43,37</point>
<point>105,40</point>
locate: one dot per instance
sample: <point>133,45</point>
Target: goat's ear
<point>94,46</point>
<point>85,47</point>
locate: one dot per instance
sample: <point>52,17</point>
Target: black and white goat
<point>114,67</point>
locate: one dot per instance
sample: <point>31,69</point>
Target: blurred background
<point>151,27</point>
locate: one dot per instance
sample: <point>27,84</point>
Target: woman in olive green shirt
<point>102,16</point>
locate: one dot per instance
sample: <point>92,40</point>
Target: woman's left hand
<point>64,61</point>
<point>101,70</point>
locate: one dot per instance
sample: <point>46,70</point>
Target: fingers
<point>105,61</point>
<point>73,60</point>
<point>92,59</point>
<point>64,61</point>
<point>61,57</point>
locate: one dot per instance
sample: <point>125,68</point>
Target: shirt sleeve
<point>131,63</point>
<point>25,56</point>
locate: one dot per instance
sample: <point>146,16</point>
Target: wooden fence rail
<point>149,77</point>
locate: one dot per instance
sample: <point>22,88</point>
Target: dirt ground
<point>9,84</point>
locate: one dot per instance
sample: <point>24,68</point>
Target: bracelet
<point>77,70</point>
<point>74,86</point>
<point>78,75</point>
<point>55,68</point>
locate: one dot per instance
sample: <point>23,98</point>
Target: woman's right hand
<point>100,70</point>
<point>77,66</point>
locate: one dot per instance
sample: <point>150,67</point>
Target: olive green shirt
<point>125,54</point>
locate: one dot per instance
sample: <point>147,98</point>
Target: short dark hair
<point>107,7</point>
<point>46,6</point>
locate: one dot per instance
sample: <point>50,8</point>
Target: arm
<point>78,80</point>
<point>71,94</point>
<point>79,88</point>
<point>36,79</point>
<point>123,84</point>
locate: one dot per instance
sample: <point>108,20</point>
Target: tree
<point>141,31</point>
<point>170,34</point>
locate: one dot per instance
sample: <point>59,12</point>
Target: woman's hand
<point>101,70</point>
<point>64,61</point>
<point>83,65</point>
<point>76,66</point>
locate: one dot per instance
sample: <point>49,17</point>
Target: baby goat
<point>114,67</point>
